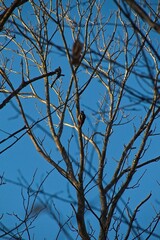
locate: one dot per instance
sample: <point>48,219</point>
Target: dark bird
<point>57,71</point>
<point>81,119</point>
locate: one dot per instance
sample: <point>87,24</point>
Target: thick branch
<point>143,14</point>
<point>7,13</point>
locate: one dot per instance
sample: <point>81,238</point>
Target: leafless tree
<point>84,77</point>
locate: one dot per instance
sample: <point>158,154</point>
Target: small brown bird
<point>76,52</point>
<point>81,119</point>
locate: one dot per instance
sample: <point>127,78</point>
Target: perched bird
<point>57,71</point>
<point>81,119</point>
<point>76,52</point>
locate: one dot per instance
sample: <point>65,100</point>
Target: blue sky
<point>23,160</point>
